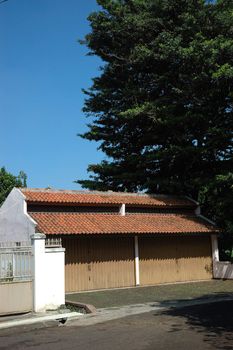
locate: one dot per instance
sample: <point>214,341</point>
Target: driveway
<point>170,292</point>
<point>202,327</point>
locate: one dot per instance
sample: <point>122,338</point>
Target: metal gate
<point>15,277</point>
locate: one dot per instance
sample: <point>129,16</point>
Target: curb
<point>89,309</point>
<point>60,318</point>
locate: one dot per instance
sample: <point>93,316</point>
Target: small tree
<point>8,181</point>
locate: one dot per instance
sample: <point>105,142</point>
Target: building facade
<point>115,239</point>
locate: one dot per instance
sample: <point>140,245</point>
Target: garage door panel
<point>194,256</point>
<point>174,259</point>
<point>116,267</point>
<point>74,268</point>
<point>151,248</point>
<point>96,262</point>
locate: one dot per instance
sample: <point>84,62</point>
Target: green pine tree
<point>162,105</point>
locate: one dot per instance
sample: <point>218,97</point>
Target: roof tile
<point>44,196</point>
<point>75,223</point>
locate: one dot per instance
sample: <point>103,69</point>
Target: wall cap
<point>38,236</point>
<point>55,250</point>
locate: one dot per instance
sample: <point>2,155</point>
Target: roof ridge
<point>113,214</point>
<point>103,193</point>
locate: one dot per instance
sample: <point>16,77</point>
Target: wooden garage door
<point>96,262</point>
<point>174,259</point>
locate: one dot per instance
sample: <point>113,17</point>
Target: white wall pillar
<point>215,252</point>
<point>48,275</point>
<point>136,261</point>
<point>55,277</point>
<point>215,255</point>
<point>122,210</point>
<point>39,268</point>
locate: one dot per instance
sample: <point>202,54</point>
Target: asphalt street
<point>199,327</point>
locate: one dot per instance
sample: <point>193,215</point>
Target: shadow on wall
<point>101,248</point>
<point>213,320</point>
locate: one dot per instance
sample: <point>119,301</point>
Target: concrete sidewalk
<point>48,318</point>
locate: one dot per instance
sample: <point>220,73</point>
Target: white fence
<point>15,261</point>
<point>53,242</point>
<point>223,270</point>
<point>15,277</point>
<point>31,275</point>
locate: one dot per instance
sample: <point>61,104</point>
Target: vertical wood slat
<point>96,262</point>
<point>174,259</point>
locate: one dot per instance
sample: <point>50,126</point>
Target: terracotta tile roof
<point>75,223</point>
<point>41,196</point>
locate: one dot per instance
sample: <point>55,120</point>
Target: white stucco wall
<point>38,270</point>
<point>214,244</point>
<point>48,275</point>
<point>15,224</point>
<point>55,277</point>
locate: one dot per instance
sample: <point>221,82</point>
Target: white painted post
<point>38,261</point>
<point>122,210</point>
<point>55,277</point>
<point>136,260</point>
<point>215,252</point>
<point>215,255</point>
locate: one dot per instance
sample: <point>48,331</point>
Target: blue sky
<point>43,70</point>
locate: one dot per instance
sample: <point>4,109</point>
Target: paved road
<point>201,327</point>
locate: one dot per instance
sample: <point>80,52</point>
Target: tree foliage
<point>217,201</point>
<point>220,193</point>
<point>161,107</point>
<point>8,181</point>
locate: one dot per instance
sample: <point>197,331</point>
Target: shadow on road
<point>214,320</point>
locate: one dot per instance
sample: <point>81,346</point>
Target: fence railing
<point>53,242</point>
<point>15,244</point>
<point>15,261</point>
